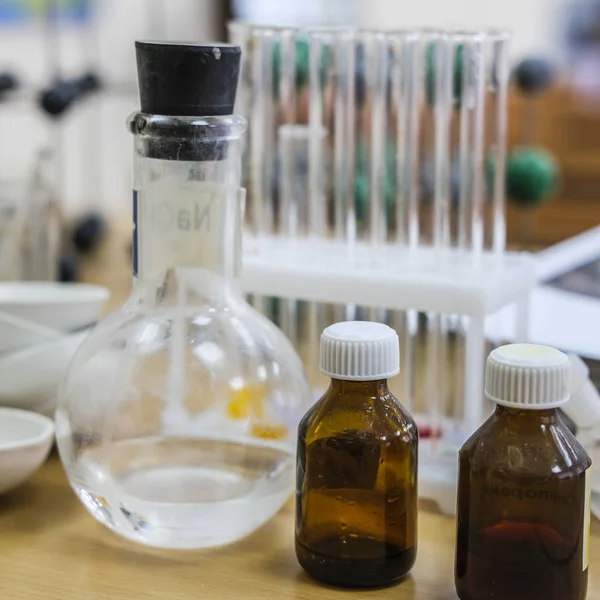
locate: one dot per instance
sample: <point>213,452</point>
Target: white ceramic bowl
<point>25,441</point>
<point>30,377</point>
<point>58,306</point>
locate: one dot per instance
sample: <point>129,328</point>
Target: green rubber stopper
<point>531,176</point>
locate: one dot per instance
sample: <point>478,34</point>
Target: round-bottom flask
<point>176,423</point>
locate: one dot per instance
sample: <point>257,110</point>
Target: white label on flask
<point>187,225</point>
<point>586,519</point>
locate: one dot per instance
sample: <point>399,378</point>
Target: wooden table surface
<point>52,549</point>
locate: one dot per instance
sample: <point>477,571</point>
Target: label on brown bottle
<point>586,519</point>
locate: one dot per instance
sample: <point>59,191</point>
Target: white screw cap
<point>359,351</point>
<point>527,376</point>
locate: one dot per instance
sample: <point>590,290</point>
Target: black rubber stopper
<point>58,98</point>
<point>90,82</point>
<point>533,75</point>
<point>187,80</point>
<point>68,268</point>
<point>8,82</point>
<point>88,232</point>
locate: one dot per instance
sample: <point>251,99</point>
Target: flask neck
<point>192,224</point>
<point>188,205</point>
<point>182,286</point>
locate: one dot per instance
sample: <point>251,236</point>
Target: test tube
<point>442,107</point>
<point>497,79</point>
<point>319,120</point>
<point>293,192</point>
<point>436,340</point>
<point>292,155</point>
<point>376,119</point>
<point>377,50</point>
<point>344,149</point>
<point>407,82</point>
<point>343,163</point>
<point>286,92</point>
<point>407,78</point>
<point>479,124</point>
<point>260,158</point>
<point>240,35</point>
<point>295,221</point>
<point>266,98</point>
<point>469,56</point>
<point>262,106</point>
<point>321,68</point>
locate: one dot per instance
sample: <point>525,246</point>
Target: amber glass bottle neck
<point>378,387</point>
<point>548,415</point>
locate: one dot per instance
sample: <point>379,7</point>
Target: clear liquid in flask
<point>184,493</point>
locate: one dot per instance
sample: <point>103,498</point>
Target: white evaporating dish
<point>30,377</point>
<point>52,307</point>
<point>25,441</point>
<point>42,324</point>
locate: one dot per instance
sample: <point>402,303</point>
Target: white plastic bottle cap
<point>359,351</point>
<point>527,376</point>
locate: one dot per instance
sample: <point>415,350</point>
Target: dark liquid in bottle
<point>356,509</point>
<point>521,536</point>
<point>520,561</point>
<point>360,570</point>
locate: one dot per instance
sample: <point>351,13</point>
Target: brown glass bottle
<point>356,502</point>
<point>523,512</point>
